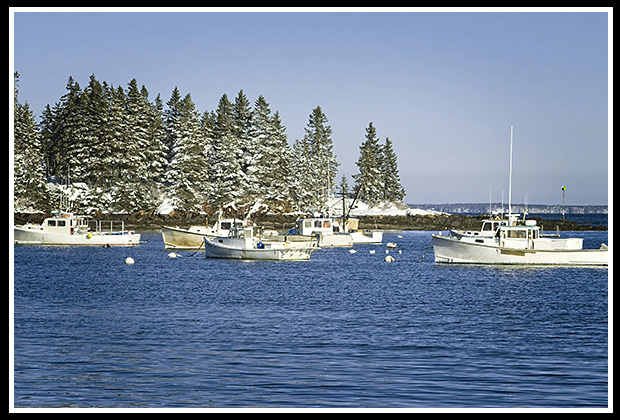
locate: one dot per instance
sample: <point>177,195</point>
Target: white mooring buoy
<point>129,260</point>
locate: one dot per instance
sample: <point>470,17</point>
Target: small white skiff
<point>243,243</point>
<point>68,229</point>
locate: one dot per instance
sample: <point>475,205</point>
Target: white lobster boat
<point>328,229</point>
<point>514,241</point>
<point>247,244</point>
<point>68,229</point>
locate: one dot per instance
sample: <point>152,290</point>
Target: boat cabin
<point>311,226</point>
<point>64,224</point>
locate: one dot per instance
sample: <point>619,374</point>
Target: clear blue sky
<point>444,87</point>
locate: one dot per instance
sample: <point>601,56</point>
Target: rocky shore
<point>152,221</point>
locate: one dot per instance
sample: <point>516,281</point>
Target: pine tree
<point>393,190</point>
<point>188,169</point>
<point>271,153</point>
<point>242,124</point>
<point>278,175</point>
<point>369,181</point>
<point>324,164</point>
<point>29,183</point>
<point>303,182</point>
<point>60,129</point>
<point>225,163</point>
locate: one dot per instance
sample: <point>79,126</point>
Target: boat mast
<point>510,176</point>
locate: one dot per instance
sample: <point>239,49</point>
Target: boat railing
<point>107,226</point>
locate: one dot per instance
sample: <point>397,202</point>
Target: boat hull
<point>374,237</point>
<point>175,238</point>
<point>451,250</point>
<point>336,239</point>
<point>213,249</point>
<point>25,236</point>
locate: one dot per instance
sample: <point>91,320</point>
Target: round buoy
<point>173,255</point>
<point>352,251</point>
<point>129,260</point>
<point>372,251</point>
<point>90,235</point>
<point>389,258</point>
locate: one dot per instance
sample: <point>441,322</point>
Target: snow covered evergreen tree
<point>302,187</point>
<point>271,153</point>
<point>60,129</point>
<point>188,167</point>
<point>226,173</point>
<point>321,166</point>
<point>392,188</point>
<point>369,181</point>
<point>245,144</point>
<point>29,183</point>
<point>278,176</point>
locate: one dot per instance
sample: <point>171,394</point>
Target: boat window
<point>518,234</point>
<point>317,223</point>
<point>487,226</point>
<point>225,225</point>
<point>308,223</point>
<point>61,223</point>
<point>51,222</point>
<point>326,224</point>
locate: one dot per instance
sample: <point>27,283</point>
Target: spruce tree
<point>244,143</point>
<point>29,183</point>
<point>189,167</point>
<point>303,181</point>
<point>369,181</point>
<point>225,162</point>
<point>393,190</point>
<point>278,175</point>
<point>324,164</point>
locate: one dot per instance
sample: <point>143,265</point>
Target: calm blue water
<point>340,330</point>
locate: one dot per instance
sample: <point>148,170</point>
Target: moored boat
<point>514,241</point>
<point>246,243</point>
<point>193,237</point>
<point>327,229</point>
<point>68,229</point>
<point>518,241</point>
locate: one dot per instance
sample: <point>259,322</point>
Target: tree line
<point>133,153</point>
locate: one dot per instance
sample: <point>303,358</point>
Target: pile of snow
<point>382,209</point>
<point>165,207</point>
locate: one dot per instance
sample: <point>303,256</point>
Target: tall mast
<point>510,176</point>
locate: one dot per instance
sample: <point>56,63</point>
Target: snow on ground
<point>383,209</point>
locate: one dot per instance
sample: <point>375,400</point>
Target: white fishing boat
<point>193,237</point>
<point>514,241</point>
<point>328,230</point>
<point>68,229</point>
<point>518,241</point>
<point>247,243</point>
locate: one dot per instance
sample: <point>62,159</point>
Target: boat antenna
<point>510,176</point>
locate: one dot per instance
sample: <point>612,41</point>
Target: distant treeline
<point>133,153</point>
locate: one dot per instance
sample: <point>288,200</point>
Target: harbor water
<point>341,330</point>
